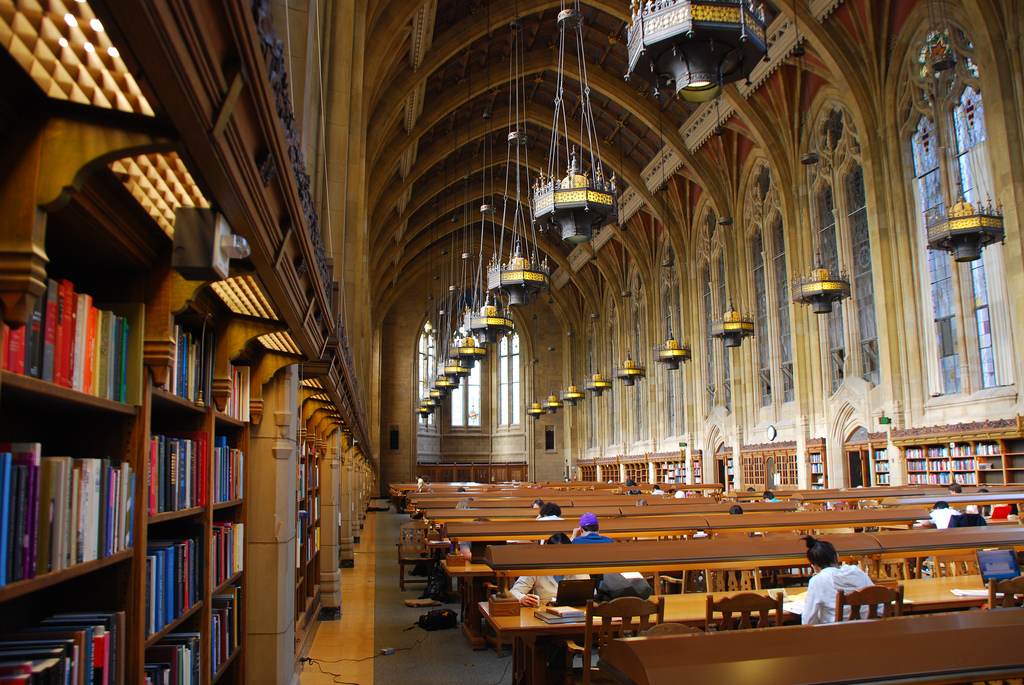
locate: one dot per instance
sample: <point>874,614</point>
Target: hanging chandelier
<point>466,351</point>
<point>732,328</point>
<point>966,229</point>
<point>523,274</point>
<point>571,395</point>
<point>552,404</point>
<point>821,288</point>
<point>597,384</point>
<point>579,203</point>
<point>695,46</point>
<point>488,324</point>
<point>535,410</point>
<point>671,353</point>
<point>630,372</point>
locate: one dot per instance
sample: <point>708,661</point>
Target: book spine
<point>90,358</point>
<point>16,350</point>
<point>64,333</point>
<point>49,331</point>
<point>34,339</point>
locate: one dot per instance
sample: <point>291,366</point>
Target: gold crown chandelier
<point>596,384</point>
<point>695,46</point>
<point>965,229</point>
<point>732,328</point>
<point>822,287</point>
<point>523,274</point>
<point>630,372</point>
<point>671,353</point>
<point>584,199</point>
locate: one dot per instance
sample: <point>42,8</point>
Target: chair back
<point>868,600</point>
<point>1012,591</point>
<point>413,538</point>
<point>633,614</point>
<point>731,581</point>
<point>737,611</point>
<point>669,629</point>
<point>956,565</point>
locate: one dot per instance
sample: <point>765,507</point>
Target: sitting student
<point>537,503</point>
<point>680,494</point>
<point>735,509</point>
<point>829,577</point>
<point>461,489</point>
<point>466,547</point>
<point>633,489</point>
<point>769,496</point>
<point>533,591</point>
<point>956,488</point>
<point>941,513</point>
<point>587,532</point>
<point>550,512</point>
<point>985,511</point>
<point>657,490</point>
<point>642,502</point>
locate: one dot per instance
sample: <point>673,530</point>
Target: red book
<point>64,334</point>
<point>16,350</point>
<point>89,358</point>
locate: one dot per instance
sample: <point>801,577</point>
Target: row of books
<point>307,475</point>
<point>177,468</point>
<point>175,660</point>
<point>73,343</point>
<point>56,512</point>
<point>173,580</point>
<point>228,550</point>
<point>228,471</point>
<point>224,633</point>
<point>192,363</point>
<point>238,400</point>
<point>82,648</point>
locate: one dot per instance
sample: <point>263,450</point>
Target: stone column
<point>345,538</point>
<point>270,604</point>
<point>330,488</point>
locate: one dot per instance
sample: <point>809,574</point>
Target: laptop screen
<point>997,563</point>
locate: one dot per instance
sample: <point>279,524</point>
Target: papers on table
<point>969,593</point>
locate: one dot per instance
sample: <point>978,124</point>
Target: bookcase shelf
<point>23,587</point>
<point>227,664</point>
<point>175,515</point>
<point>42,393</point>
<point>980,453</point>
<point>170,627</point>
<point>818,467</point>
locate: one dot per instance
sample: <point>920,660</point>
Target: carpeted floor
<point>442,657</point>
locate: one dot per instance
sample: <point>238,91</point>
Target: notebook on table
<point>574,593</point>
<point>998,564</point>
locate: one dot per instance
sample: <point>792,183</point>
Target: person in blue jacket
<point>588,531</point>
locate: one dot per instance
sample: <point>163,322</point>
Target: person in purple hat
<point>587,532</point>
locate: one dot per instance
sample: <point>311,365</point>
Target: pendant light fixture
<point>582,200</point>
<point>695,46</point>
<point>732,328</point>
<point>522,274</point>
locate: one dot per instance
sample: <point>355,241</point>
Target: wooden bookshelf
<point>817,464</point>
<point>979,453</point>
<point>770,466</point>
<point>670,467</point>
<point>586,470</point>
<point>307,536</point>
<point>697,466</point>
<point>637,468</point>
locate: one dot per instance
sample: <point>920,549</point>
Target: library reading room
<point>511,342</point>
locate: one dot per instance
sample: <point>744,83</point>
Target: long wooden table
<point>954,500</point>
<point>655,526</point>
<point>575,500</point>
<point>530,636</point>
<point>604,513</point>
<point>471,579</point>
<point>961,647</point>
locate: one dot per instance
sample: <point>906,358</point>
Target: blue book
<point>5,512</point>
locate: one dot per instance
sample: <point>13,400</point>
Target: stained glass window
<point>863,282</point>
<point>722,306</point>
<point>761,320</point>
<point>782,306</point>
<point>709,346</point>
<point>830,258</point>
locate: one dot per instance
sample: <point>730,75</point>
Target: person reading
<point>941,514</point>
<point>550,512</point>
<point>533,591</point>
<point>588,531</point>
<point>829,577</point>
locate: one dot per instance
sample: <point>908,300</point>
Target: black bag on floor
<point>437,585</point>
<point>438,619</point>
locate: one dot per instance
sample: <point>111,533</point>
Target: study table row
<point>438,516</point>
<point>530,636</point>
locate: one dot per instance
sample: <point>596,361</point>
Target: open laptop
<point>999,564</point>
<point>574,593</point>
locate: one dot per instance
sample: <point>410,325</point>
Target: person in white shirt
<point>679,494</point>
<point>657,490</point>
<point>941,513</point>
<point>533,591</point>
<point>829,577</point>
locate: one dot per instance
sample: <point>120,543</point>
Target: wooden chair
<point>870,598</point>
<point>634,616</point>
<point>687,581</point>
<point>956,565</point>
<point>746,605</point>
<point>412,549</point>
<point>669,629</point>
<point>1012,591</point>
<point>733,581</point>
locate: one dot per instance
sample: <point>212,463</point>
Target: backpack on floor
<point>438,619</point>
<point>437,585</point>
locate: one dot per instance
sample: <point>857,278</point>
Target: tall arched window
<point>465,400</point>
<point>508,380</point>
<point>761,318</point>
<point>613,419</point>
<point>839,213</point>
<point>709,342</point>
<point>782,305</point>
<point>944,121</point>
<point>591,403</point>
<point>723,304</point>
<point>670,311</point>
<point>427,365</point>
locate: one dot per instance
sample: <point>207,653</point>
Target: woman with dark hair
<point>735,509</point>
<point>829,577</point>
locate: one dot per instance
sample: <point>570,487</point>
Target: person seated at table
<point>537,503</point>
<point>588,531</point>
<point>956,488</point>
<point>461,489</point>
<point>657,489</point>
<point>679,494</point>
<point>533,591</point>
<point>940,514</point>
<point>550,512</point>
<point>769,496</point>
<point>735,509</point>
<point>633,489</point>
<point>466,547</point>
<point>642,502</point>
<point>463,503</point>
<point>985,511</point>
<point>829,577</point>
